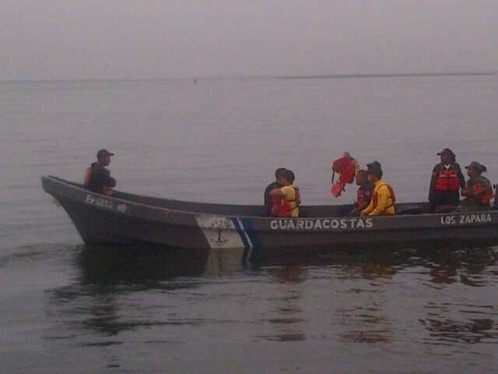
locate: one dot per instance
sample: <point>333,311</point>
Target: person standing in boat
<point>478,191</point>
<point>98,177</point>
<point>383,199</point>
<point>363,193</point>
<point>287,204</point>
<point>446,181</point>
<point>269,200</point>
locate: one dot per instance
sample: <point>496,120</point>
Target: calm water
<point>66,308</point>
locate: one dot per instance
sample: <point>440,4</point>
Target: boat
<point>130,219</point>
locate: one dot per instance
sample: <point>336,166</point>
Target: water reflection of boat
<point>118,265</point>
<point>124,264</point>
<point>360,292</point>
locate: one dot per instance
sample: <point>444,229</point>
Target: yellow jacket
<point>382,201</point>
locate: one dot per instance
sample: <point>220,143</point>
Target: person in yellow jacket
<point>383,199</point>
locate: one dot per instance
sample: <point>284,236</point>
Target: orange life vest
<point>447,180</point>
<point>485,198</point>
<point>346,167</point>
<point>88,177</point>
<point>282,207</point>
<point>361,198</point>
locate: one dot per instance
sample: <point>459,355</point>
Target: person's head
<point>104,157</point>
<point>279,172</point>
<point>288,177</point>
<point>447,156</point>
<point>374,171</point>
<point>475,168</point>
<point>361,177</point>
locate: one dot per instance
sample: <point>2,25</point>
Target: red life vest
<point>485,198</point>
<point>346,167</point>
<point>282,207</point>
<point>361,198</point>
<point>447,179</point>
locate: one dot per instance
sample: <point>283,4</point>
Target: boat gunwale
<point>78,188</point>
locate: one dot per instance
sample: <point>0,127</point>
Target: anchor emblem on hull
<point>219,225</point>
<point>220,240</point>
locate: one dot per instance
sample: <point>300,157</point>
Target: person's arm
<point>277,192</point>
<point>435,172</point>
<point>111,182</point>
<point>102,177</point>
<point>368,209</point>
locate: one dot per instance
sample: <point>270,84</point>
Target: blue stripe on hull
<point>241,232</point>
<point>256,244</point>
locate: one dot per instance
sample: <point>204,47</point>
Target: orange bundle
<point>346,167</point>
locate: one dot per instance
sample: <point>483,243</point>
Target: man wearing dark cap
<point>383,199</point>
<point>478,191</point>
<point>446,181</point>
<point>98,177</point>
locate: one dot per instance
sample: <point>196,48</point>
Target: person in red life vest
<point>363,193</point>
<point>446,181</point>
<point>269,201</point>
<point>346,167</point>
<point>383,199</point>
<point>98,177</point>
<point>478,191</point>
<point>289,197</point>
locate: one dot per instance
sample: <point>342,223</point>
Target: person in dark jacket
<point>98,177</point>
<point>269,200</point>
<point>446,181</point>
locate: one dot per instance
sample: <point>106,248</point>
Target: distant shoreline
<point>394,75</point>
<point>311,76</point>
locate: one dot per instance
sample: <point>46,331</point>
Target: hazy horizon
<point>157,39</point>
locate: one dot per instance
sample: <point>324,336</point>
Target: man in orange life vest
<point>478,191</point>
<point>288,204</point>
<point>383,199</point>
<point>446,181</point>
<point>269,200</point>
<point>97,177</point>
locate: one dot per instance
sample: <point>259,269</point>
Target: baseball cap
<point>446,150</point>
<point>477,166</point>
<point>374,168</point>
<point>103,153</point>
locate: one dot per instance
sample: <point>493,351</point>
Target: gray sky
<point>85,39</point>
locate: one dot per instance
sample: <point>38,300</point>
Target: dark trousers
<point>444,198</point>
